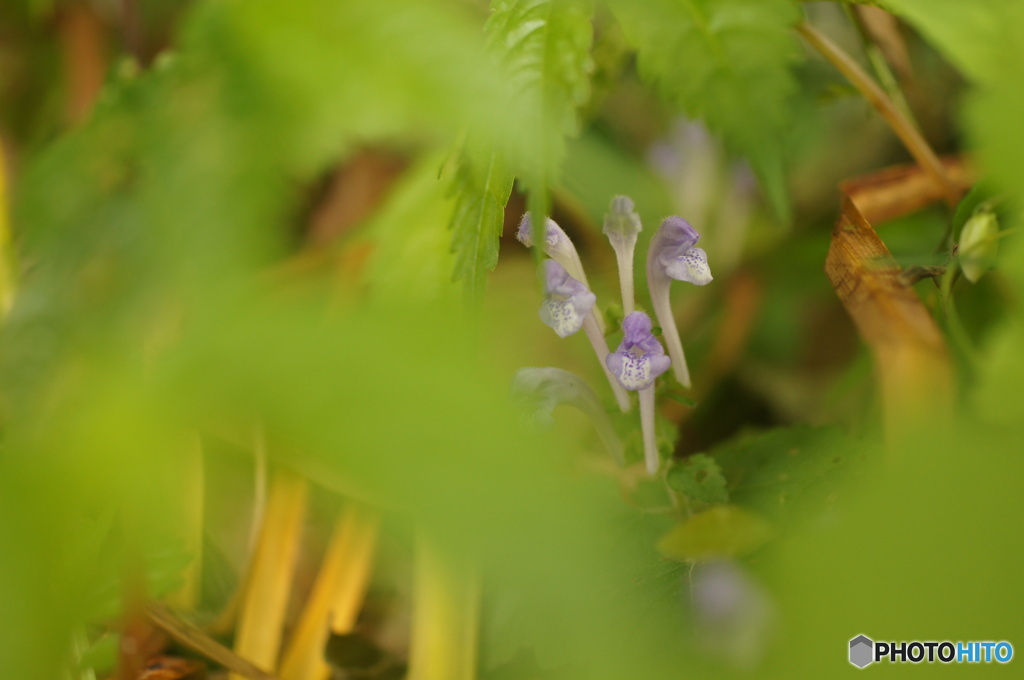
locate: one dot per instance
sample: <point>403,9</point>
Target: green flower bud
<point>979,244</point>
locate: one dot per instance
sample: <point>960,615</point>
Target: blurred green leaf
<point>545,45</point>
<point>727,62</point>
<point>481,192</point>
<point>980,38</point>
<point>786,469</point>
<point>700,478</point>
<point>322,75</point>
<point>720,532</point>
<point>411,257</point>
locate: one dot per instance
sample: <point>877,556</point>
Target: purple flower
<point>640,357</point>
<point>567,301</point>
<point>635,364</point>
<point>673,254</point>
<point>556,245</point>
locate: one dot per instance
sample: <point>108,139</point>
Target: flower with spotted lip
<point>567,301</point>
<point>640,358</point>
<point>638,361</point>
<point>673,254</point>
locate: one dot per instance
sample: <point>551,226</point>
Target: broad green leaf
<point>545,46</point>
<point>321,75</point>
<point>727,62</point>
<point>784,469</point>
<point>721,532</point>
<point>700,478</point>
<point>481,192</point>
<point>979,38</point>
<point>983,40</point>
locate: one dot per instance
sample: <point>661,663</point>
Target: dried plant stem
<point>876,96</point>
<point>199,641</point>
<point>445,623</point>
<point>336,597</point>
<point>269,583</point>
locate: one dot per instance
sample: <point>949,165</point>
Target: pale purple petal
<point>640,357</point>
<point>675,236</point>
<point>567,316</point>
<point>554,235</point>
<point>567,301</point>
<point>692,267</point>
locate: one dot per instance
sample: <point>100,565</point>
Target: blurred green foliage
<point>155,299</point>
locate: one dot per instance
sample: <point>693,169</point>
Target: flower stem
<point>663,312</point>
<point>876,96</point>
<point>624,255</point>
<point>596,337</point>
<point>647,426</point>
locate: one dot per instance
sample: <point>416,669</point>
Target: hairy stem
<point>663,312</point>
<point>596,338</point>
<point>647,426</point>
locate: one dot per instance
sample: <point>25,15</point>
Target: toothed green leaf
<point>481,192</point>
<point>728,63</point>
<point>545,46</point>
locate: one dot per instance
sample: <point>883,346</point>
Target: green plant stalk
<point>912,139</point>
<point>880,65</point>
<point>957,331</point>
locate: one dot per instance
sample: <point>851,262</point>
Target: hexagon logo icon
<point>861,651</point>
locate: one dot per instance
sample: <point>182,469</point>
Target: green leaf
<point>982,39</point>
<point>979,38</point>
<point>320,75</point>
<point>721,532</point>
<point>545,46</point>
<point>782,470</point>
<point>481,192</point>
<point>700,478</point>
<point>411,255</point>
<point>727,62</point>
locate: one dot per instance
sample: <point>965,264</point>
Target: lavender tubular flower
<point>556,245</point>
<point>621,226</point>
<point>638,361</point>
<point>568,306</point>
<point>567,301</point>
<point>542,389</point>
<point>559,248</point>
<point>673,255</point>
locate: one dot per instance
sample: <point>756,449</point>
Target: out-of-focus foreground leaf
<point>481,192</point>
<point>545,45</point>
<point>727,62</point>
